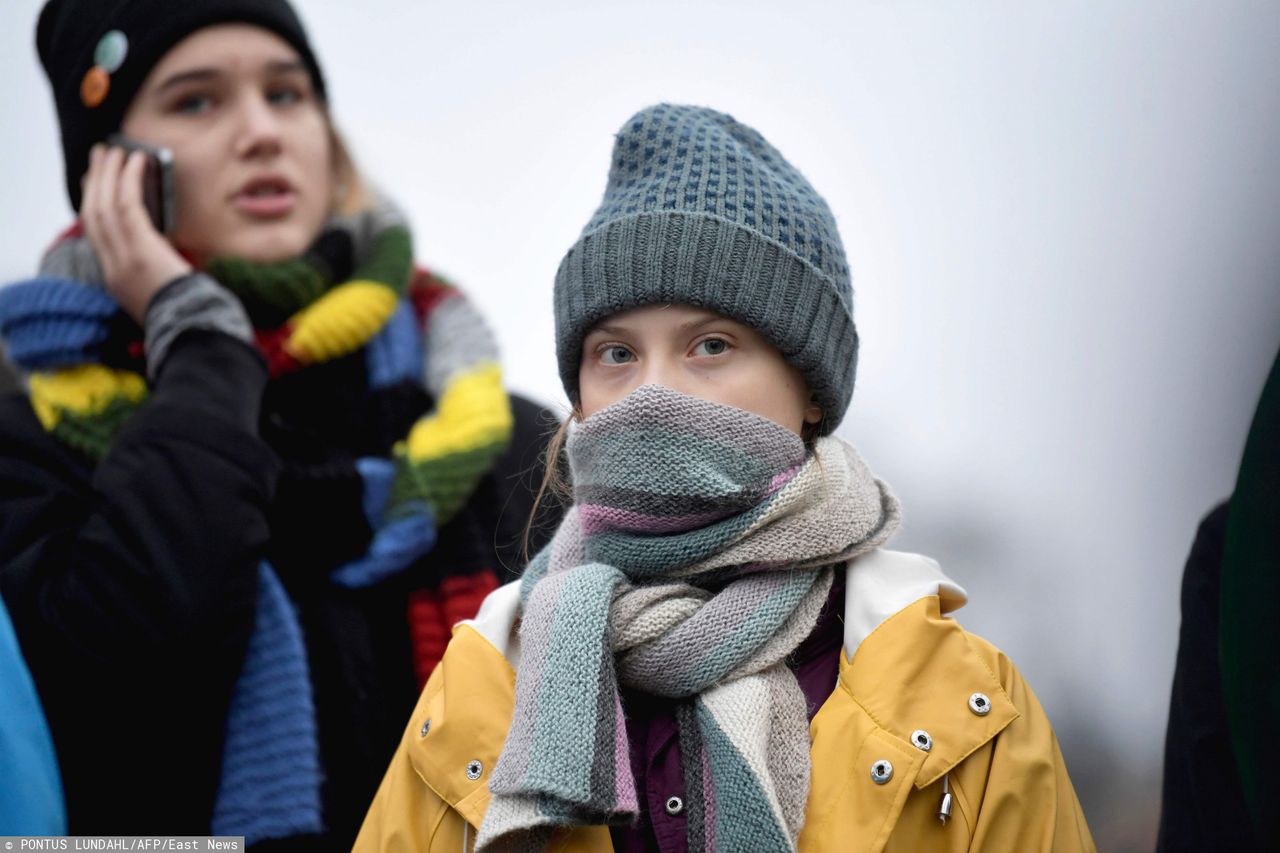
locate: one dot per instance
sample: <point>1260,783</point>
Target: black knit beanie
<point>97,53</point>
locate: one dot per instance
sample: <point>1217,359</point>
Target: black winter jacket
<point>132,583</point>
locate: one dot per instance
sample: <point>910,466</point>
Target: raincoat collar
<point>906,664</point>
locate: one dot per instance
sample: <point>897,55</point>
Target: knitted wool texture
<point>700,209</point>
<point>271,775</point>
<point>86,378</point>
<point>697,555</point>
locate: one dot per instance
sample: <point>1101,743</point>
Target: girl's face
<point>252,147</point>
<point>696,352</point>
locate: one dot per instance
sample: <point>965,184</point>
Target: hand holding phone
<point>137,259</point>
<point>157,182</point>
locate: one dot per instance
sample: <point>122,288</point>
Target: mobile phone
<point>157,182</point>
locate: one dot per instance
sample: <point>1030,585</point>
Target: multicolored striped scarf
<point>697,555</point>
<point>86,377</point>
<point>85,360</point>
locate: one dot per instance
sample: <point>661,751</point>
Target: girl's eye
<point>616,354</point>
<point>193,104</point>
<point>284,96</point>
<point>711,346</point>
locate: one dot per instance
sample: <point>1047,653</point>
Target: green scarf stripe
<point>92,434</point>
<point>272,293</point>
<point>654,556</point>
<point>574,659</point>
<point>747,473</point>
<point>744,817</point>
<point>444,483</point>
<point>390,260</point>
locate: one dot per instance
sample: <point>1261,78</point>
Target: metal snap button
<point>920,740</point>
<point>881,771</point>
<point>474,769</point>
<point>426,727</point>
<point>674,806</point>
<point>980,704</point>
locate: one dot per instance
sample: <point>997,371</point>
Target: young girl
<point>715,652</point>
<point>260,462</point>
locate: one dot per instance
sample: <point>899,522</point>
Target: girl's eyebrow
<point>194,75</point>
<point>285,66</point>
<point>710,318</point>
<point>688,325</point>
<point>277,66</point>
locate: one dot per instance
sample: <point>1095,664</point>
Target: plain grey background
<point>1061,220</point>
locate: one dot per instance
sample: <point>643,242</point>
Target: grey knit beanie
<point>701,210</point>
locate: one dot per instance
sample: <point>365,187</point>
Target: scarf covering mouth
<point>355,289</point>
<point>697,556</point>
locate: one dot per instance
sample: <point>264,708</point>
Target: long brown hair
<point>350,192</point>
<point>555,485</point>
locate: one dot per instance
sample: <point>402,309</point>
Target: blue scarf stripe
<point>395,354</point>
<point>49,323</point>
<point>271,793</point>
<point>397,542</point>
<point>394,546</point>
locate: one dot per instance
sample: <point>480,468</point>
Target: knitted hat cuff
<point>709,262</point>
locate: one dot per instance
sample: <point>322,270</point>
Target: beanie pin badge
<point>94,86</point>
<point>111,51</point>
<point>108,56</point>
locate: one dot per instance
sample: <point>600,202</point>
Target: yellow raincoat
<point>910,677</point>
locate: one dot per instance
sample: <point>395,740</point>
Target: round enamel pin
<point>94,86</point>
<point>111,50</point>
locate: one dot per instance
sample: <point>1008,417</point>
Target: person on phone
<point>260,462</point>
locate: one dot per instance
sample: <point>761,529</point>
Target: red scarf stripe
<point>271,344</point>
<point>432,614</point>
<point>426,292</point>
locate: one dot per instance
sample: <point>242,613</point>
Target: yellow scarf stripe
<point>87,389</point>
<point>341,322</point>
<point>473,412</point>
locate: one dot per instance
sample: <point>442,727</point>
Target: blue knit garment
<point>395,354</point>
<point>49,323</point>
<point>270,784</point>
<point>398,541</point>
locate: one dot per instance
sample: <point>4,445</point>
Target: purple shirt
<point>655,741</point>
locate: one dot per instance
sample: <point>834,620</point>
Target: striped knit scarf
<point>86,378</point>
<point>697,555</point>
